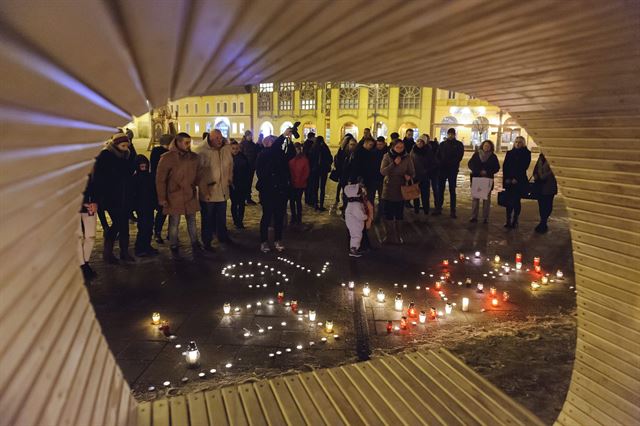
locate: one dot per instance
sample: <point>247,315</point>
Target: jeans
<point>451,177</point>
<point>274,206</point>
<point>237,207</point>
<point>145,229</point>
<point>322,186</point>
<point>158,222</point>
<point>86,236</point>
<point>119,227</point>
<point>514,207</point>
<point>475,207</point>
<point>295,202</point>
<point>214,221</point>
<point>174,221</point>
<point>425,194</point>
<point>545,207</point>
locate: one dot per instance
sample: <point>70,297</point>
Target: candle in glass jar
<point>538,269</point>
<point>480,287</point>
<point>398,302</point>
<point>559,274</point>
<point>496,259</point>
<point>518,265</point>
<point>544,280</point>
<point>477,254</point>
<point>389,326</point>
<point>468,282</point>
<point>461,256</point>
<point>445,262</point>
<point>226,308</point>
<point>312,315</point>
<point>536,261</point>
<point>403,323</point>
<point>493,291</point>
<point>438,285</point>
<point>534,285</point>
<point>155,318</point>
<point>465,304</point>
<point>518,257</point>
<point>422,317</point>
<point>192,355</point>
<point>432,313</point>
<point>328,325</point>
<point>448,308</point>
<point>280,296</point>
<point>494,301</point>
<point>352,285</point>
<point>412,310</point>
<point>505,296</point>
<point>380,295</point>
<point>366,290</point>
<point>507,269</point>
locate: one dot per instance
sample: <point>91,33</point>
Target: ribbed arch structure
<point>73,70</point>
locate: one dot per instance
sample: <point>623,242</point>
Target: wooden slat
<point>160,415</point>
<point>251,404</point>
<point>287,404</point>
<point>327,410</point>
<point>233,406</point>
<point>197,409</point>
<point>144,414</point>
<point>308,409</point>
<point>268,403</point>
<point>215,408</point>
<point>178,408</point>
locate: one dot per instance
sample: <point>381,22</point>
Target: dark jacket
<point>339,159</point>
<point>379,155</point>
<point>366,166</point>
<point>423,161</point>
<point>349,172</point>
<point>515,166</point>
<point>272,169</point>
<point>409,143</point>
<point>144,191</point>
<point>156,153</point>
<point>306,147</point>
<point>320,158</point>
<point>113,175</point>
<point>449,155</point>
<point>544,177</point>
<point>490,167</point>
<point>434,166</point>
<point>241,175</point>
<point>251,150</point>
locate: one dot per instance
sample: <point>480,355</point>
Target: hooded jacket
<point>251,150</point>
<point>216,173</point>
<point>241,175</point>
<point>423,161</point>
<point>272,169</point>
<point>113,172</point>
<point>299,169</point>
<point>544,177</point>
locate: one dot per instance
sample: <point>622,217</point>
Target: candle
<point>559,274</point>
<point>294,305</point>
<point>507,269</point>
<point>438,285</point>
<point>544,280</point>
<point>398,302</point>
<point>518,257</point>
<point>461,256</point>
<point>366,290</point>
<point>536,261</point>
<point>448,308</point>
<point>468,282</point>
<point>432,313</point>
<point>445,262</point>
<point>494,301</point>
<point>505,296</point>
<point>312,315</point>
<point>192,356</point>
<point>155,318</point>
<point>518,265</point>
<point>447,275</point>
<point>477,254</point>
<point>328,326</point>
<point>226,308</point>
<point>538,269</point>
<point>412,310</point>
<point>480,288</point>
<point>493,291</point>
<point>403,323</point>
<point>422,317</point>
<point>280,296</point>
<point>534,285</point>
<point>465,304</point>
<point>389,326</point>
<point>496,259</point>
<point>380,295</point>
<point>352,285</point>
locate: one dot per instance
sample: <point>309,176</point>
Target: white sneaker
<point>354,252</point>
<point>264,247</point>
<point>279,246</point>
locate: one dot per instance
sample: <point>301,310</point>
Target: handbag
<point>334,175</point>
<point>411,191</point>
<point>533,190</point>
<point>503,199</point>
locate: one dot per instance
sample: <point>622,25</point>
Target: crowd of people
<point>184,177</point>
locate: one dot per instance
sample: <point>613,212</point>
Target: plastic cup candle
<point>226,308</point>
<point>544,280</point>
<point>505,296</point>
<point>493,291</point>
<point>412,310</point>
<point>294,305</point>
<point>496,259</point>
<point>465,304</point>
<point>448,308</point>
<point>155,318</point>
<point>559,274</point>
<point>312,315</point>
<point>366,290</point>
<point>380,296</point>
<point>538,269</point>
<point>432,313</point>
<point>507,269</point>
<point>438,285</point>
<point>192,355</point>
<point>494,301</point>
<point>445,262</point>
<point>328,325</point>
<point>518,257</point>
<point>536,261</point>
<point>518,265</point>
<point>480,287</point>
<point>477,254</point>
<point>280,296</point>
<point>389,326</point>
<point>398,302</point>
<point>352,285</point>
<point>403,323</point>
<point>534,285</point>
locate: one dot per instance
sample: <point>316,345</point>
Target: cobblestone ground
<point>525,345</point>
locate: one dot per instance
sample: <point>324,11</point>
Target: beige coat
<point>216,173</point>
<point>176,180</point>
<point>394,176</point>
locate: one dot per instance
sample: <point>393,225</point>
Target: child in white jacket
<point>355,216</point>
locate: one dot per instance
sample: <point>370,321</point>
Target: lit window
<point>196,128</point>
<point>234,128</point>
<point>206,107</point>
<point>479,130</point>
<point>447,122</point>
<point>186,127</point>
<point>233,108</point>
<point>265,87</point>
<point>410,97</point>
<point>285,96</point>
<point>349,96</point>
<point>241,127</point>
<point>327,97</point>
<point>381,93</point>
<point>308,96</point>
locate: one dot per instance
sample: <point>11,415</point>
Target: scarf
<point>115,151</point>
<point>484,156</point>
<point>393,154</point>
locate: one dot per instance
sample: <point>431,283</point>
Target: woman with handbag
<point>398,170</point>
<point>483,164</point>
<point>547,188</point>
<point>338,165</point>
<point>514,179</point>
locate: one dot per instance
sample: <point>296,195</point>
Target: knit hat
<point>166,139</point>
<point>119,138</point>
<point>140,159</point>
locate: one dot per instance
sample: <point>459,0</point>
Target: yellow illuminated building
<point>333,109</point>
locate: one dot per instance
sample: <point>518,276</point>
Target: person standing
<point>216,166</point>
<point>156,153</point>
<point>241,187</point>
<point>423,160</point>
<point>483,163</point>
<point>434,171</point>
<point>113,185</point>
<point>355,216</point>
<point>320,160</point>
<point>299,170</point>
<point>397,169</point>
<point>547,188</point>
<point>338,165</point>
<point>87,229</point>
<point>176,179</point>
<point>250,150</point>
<point>449,155</point>
<point>514,179</point>
<point>380,151</point>
<point>272,169</point>
<point>408,140</point>
<point>145,201</point>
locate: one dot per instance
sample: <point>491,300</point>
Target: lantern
<point>380,295</point>
<point>280,296</point>
<point>366,290</point>
<point>328,325</point>
<point>477,254</point>
<point>192,355</point>
<point>389,326</point>
<point>155,318</point>
<point>496,259</point>
<point>559,274</point>
<point>538,269</point>
<point>448,308</point>
<point>465,304</point>
<point>461,256</point>
<point>518,265</point>
<point>518,257</point>
<point>445,263</point>
<point>312,315</point>
<point>165,327</point>
<point>398,302</point>
<point>412,310</point>
<point>534,285</point>
<point>544,280</point>
<point>432,313</point>
<point>226,308</point>
<point>536,261</point>
<point>494,301</point>
<point>403,323</point>
<point>493,291</point>
<point>422,317</point>
<point>438,285</point>
<point>480,288</point>
<point>505,296</point>
<point>352,285</point>
<point>468,282</point>
<point>507,269</point>
<point>294,305</point>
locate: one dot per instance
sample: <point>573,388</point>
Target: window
<point>265,98</point>
<point>410,97</point>
<point>196,128</point>
<point>225,107</point>
<point>285,96</point>
<point>447,122</point>
<point>206,108</point>
<point>186,109</point>
<point>233,107</point>
<point>265,87</point>
<point>327,97</point>
<point>285,126</point>
<point>349,96</point>
<point>472,97</point>
<point>381,93</point>
<point>208,126</point>
<point>308,96</point>
<point>242,128</point>
<point>349,128</point>
<point>218,107</point>
<point>241,107</point>
<point>234,127</point>
<point>266,129</point>
<point>452,94</point>
<point>479,130</point>
<point>223,126</point>
<point>195,108</point>
<point>187,127</point>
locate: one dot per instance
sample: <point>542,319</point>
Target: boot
<point>399,224</point>
<point>390,237</point>
<point>107,253</point>
<point>508,223</point>
<point>175,253</point>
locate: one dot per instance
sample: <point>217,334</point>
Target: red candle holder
<point>518,257</point>
<point>280,296</point>
<point>536,261</point>
<point>537,268</point>
<point>412,312</point>
<point>433,313</point>
<point>389,326</point>
<point>438,285</point>
<point>403,323</point>
<point>445,263</point>
<point>494,301</point>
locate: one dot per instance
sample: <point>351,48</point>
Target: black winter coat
<point>144,191</point>
<point>306,147</point>
<point>515,166</point>
<point>156,153</point>
<point>320,158</point>
<point>272,169</point>
<point>113,180</point>
<point>423,161</point>
<point>449,155</point>
<point>379,155</point>
<point>241,175</point>
<point>251,150</point>
<point>490,167</point>
<point>409,143</point>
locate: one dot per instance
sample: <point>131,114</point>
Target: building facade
<point>334,109</point>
